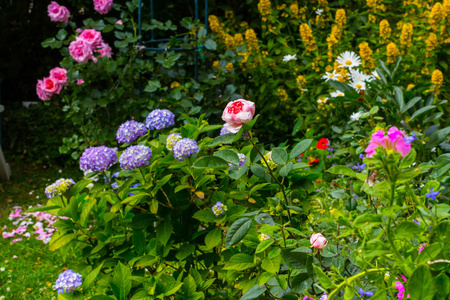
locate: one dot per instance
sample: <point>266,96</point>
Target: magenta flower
<point>58,13</point>
<point>103,6</point>
<point>237,113</point>
<point>394,141</point>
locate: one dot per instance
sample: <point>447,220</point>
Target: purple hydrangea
<point>242,160</point>
<point>96,159</point>
<point>224,130</point>
<point>134,157</point>
<point>159,119</point>
<point>184,148</point>
<point>59,187</point>
<point>129,131</point>
<point>68,281</point>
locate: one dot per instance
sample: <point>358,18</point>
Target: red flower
<point>313,161</point>
<point>322,143</point>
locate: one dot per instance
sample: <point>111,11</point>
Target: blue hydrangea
<point>134,157</point>
<point>219,208</point>
<point>59,187</point>
<point>184,148</point>
<point>159,119</point>
<point>130,131</point>
<point>242,160</point>
<point>96,159</point>
<point>68,281</point>
<point>172,139</point>
<point>224,130</point>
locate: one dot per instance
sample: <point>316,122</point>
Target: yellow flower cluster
<point>406,36</point>
<point>229,41</point>
<point>214,24</point>
<point>366,56</point>
<point>392,52</point>
<point>432,43</point>
<point>341,20</point>
<point>238,39</point>
<point>375,6</point>
<point>175,84</point>
<point>282,94</point>
<point>332,41</point>
<point>270,162</point>
<point>307,37</point>
<point>437,78</point>
<point>294,10</point>
<point>252,41</point>
<point>228,67</point>
<point>385,30</point>
<point>301,83</point>
<point>436,16</point>
<point>265,9</point>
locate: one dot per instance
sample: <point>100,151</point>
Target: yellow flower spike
<point>436,16</point>
<point>366,56</point>
<point>385,29</point>
<point>406,36</point>
<point>392,52</point>
<point>252,41</point>
<point>437,78</point>
<point>307,37</point>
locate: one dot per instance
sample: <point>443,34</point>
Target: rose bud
<point>318,241</point>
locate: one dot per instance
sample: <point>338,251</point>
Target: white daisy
<point>358,75</point>
<point>356,116</point>
<point>289,57</point>
<point>349,59</point>
<point>322,100</point>
<point>332,76</point>
<point>358,85</point>
<point>375,75</point>
<point>319,12</point>
<point>336,94</point>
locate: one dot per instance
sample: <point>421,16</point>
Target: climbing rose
<point>81,51</point>
<point>42,94</point>
<point>318,241</point>
<point>103,6</point>
<point>322,144</point>
<point>91,37</point>
<point>58,13</point>
<point>59,75</point>
<point>394,141</point>
<point>105,50</point>
<point>50,85</point>
<point>237,113</point>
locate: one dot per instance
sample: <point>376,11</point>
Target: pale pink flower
<point>92,37</point>
<point>6,235</point>
<point>58,13</point>
<point>105,50</point>
<point>119,22</point>
<point>394,141</point>
<point>16,240</point>
<point>103,6</point>
<point>43,95</point>
<point>80,81</point>
<point>59,75</point>
<point>318,241</point>
<point>80,51</point>
<point>237,113</point>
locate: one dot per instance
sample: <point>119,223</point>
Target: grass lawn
<point>28,270</point>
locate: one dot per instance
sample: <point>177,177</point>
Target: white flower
<point>349,59</point>
<point>319,11</point>
<point>375,75</point>
<point>289,57</point>
<point>359,76</point>
<point>332,76</point>
<point>356,116</point>
<point>433,149</point>
<point>336,94</point>
<point>2,269</point>
<point>322,100</point>
<point>358,85</point>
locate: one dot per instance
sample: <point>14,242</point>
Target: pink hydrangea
<point>58,13</point>
<point>394,141</point>
<point>59,75</point>
<point>237,113</point>
<point>103,6</point>
<point>81,51</point>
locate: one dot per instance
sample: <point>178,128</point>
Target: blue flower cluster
<point>219,208</point>
<point>242,160</point>
<point>134,157</point>
<point>184,148</point>
<point>68,281</point>
<point>159,119</point>
<point>96,159</point>
<point>130,131</point>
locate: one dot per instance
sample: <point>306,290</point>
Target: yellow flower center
<point>358,86</point>
<point>348,62</point>
<point>340,95</point>
<point>331,75</point>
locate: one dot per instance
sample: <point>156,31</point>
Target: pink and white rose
<point>42,94</point>
<point>318,241</point>
<point>103,6</point>
<point>237,113</point>
<point>81,51</point>
<point>105,50</point>
<point>50,85</point>
<point>91,37</point>
<point>58,13</point>
<point>59,75</point>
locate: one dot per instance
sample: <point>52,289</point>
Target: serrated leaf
<point>213,238</point>
<point>237,231</point>
<point>89,280</point>
<point>264,245</point>
<point>239,262</point>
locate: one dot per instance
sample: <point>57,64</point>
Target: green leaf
<point>421,111</point>
<point>89,280</point>
<point>61,241</point>
<point>222,139</point>
<point>86,210</point>
<point>152,86</point>
<point>323,278</point>
<point>293,259</point>
<point>301,283</point>
<point>254,292</point>
<point>271,265</point>
<point>228,155</point>
<point>297,126</point>
<point>367,221</point>
<point>237,231</point>
<point>411,103</point>
<point>408,159</point>
<point>78,187</point>
<point>139,241</point>
<point>164,231</point>
<point>171,288</point>
<point>343,170</point>
<point>205,216</point>
<point>41,208</point>
<point>442,283</point>
<point>210,162</point>
<point>407,230</point>
<point>61,35</point>
<point>121,283</point>
<point>279,156</point>
<point>374,110</point>
<point>399,98</point>
<point>349,293</point>
<point>262,279</point>
<point>239,262</point>
<point>210,44</point>
<point>264,245</point>
<point>237,172</point>
<point>213,238</point>
<point>421,284</point>
<point>300,148</point>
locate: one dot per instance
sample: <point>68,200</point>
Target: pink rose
<point>80,51</point>
<point>103,6</point>
<point>105,50</point>
<point>60,75</point>
<point>237,113</point>
<point>50,85</point>
<point>91,37</point>
<point>80,81</point>
<point>394,141</point>
<point>58,13</point>
<point>43,95</point>
<point>119,22</point>
<point>318,241</point>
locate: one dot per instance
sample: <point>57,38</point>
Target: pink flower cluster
<point>42,225</point>
<point>394,141</point>
<point>237,113</point>
<point>103,6</point>
<point>53,84</point>
<point>58,13</point>
<point>401,289</point>
<point>88,42</point>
